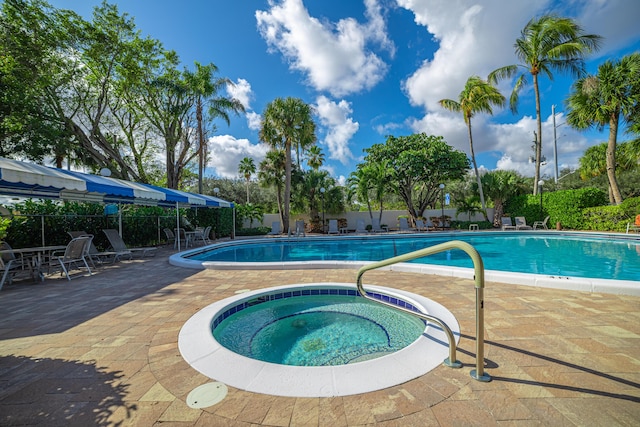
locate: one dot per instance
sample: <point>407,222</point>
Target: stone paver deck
<point>102,350</point>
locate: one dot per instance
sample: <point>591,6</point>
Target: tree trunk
<point>201,145</point>
<point>475,169</point>
<point>611,159</point>
<point>287,187</point>
<point>536,177</point>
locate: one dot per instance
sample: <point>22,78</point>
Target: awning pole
<point>119,219</point>
<point>178,226</point>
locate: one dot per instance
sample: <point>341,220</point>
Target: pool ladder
<point>451,361</point>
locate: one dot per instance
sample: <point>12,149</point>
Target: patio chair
<point>421,226</point>
<point>541,224</point>
<point>376,227</point>
<point>10,265</point>
<point>507,224</point>
<point>275,228</point>
<point>300,228</point>
<point>206,235</point>
<point>360,228</point>
<point>404,225</point>
<point>171,237</point>
<point>119,246</point>
<point>199,236</point>
<point>333,227</point>
<point>635,226</point>
<point>521,223</point>
<point>94,253</point>
<point>74,257</point>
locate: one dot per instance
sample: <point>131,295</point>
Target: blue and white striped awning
<point>36,181</point>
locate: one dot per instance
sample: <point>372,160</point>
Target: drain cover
<point>206,395</point>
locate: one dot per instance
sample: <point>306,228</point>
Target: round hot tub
<point>315,340</point>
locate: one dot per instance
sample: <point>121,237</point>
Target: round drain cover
<point>206,395</point>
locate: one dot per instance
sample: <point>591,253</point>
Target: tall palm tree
<point>205,88</point>
<point>500,186</point>
<point>287,122</point>
<point>603,99</point>
<point>477,97</point>
<point>271,174</point>
<point>546,44</point>
<point>246,168</point>
<point>315,157</point>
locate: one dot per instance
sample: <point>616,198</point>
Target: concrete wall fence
<point>389,218</point>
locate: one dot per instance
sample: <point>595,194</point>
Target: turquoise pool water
<point>316,330</point>
<point>548,253</point>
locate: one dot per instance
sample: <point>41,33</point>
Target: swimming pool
<point>573,260</point>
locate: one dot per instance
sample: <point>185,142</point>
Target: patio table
<point>35,257</point>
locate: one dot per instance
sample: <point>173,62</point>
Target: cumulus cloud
<point>340,127</point>
<point>336,57</point>
<point>241,91</point>
<point>227,151</point>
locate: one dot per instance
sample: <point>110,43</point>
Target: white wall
<point>389,218</point>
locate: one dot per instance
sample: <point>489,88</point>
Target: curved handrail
<point>478,266</point>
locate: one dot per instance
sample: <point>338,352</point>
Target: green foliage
<point>464,225</point>
<point>565,207</point>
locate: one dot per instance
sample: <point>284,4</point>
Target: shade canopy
<point>36,181</point>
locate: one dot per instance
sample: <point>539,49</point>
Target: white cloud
<point>334,57</point>
<point>227,151</point>
<point>254,120</point>
<point>340,127</point>
<point>241,91</point>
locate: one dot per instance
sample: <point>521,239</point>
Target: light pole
<point>540,184</point>
<point>216,232</point>
<point>442,205</point>
<point>322,190</point>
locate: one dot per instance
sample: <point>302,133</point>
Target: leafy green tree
<point>205,88</point>
<point>546,44</point>
<point>315,157</point>
<point>500,186</point>
<point>418,163</point>
<point>271,173</point>
<point>603,100</point>
<point>246,168</point>
<point>287,123</point>
<point>371,182</point>
<point>477,96</point>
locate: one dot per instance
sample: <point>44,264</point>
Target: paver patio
<point>102,350</point>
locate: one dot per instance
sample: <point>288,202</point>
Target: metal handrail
<point>478,265</point>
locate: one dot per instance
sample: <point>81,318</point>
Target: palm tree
<point>272,172</point>
<point>477,97</point>
<point>205,88</point>
<point>315,157</point>
<point>287,122</point>
<point>601,100</point>
<point>500,186</point>
<point>247,168</point>
<point>546,44</point>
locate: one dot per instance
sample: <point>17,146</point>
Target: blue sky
<point>372,68</point>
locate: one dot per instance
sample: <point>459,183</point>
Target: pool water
<point>547,253</point>
<point>317,330</point>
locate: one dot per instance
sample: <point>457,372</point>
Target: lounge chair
<point>94,253</point>
<point>404,225</point>
<point>333,227</point>
<point>360,228</point>
<point>75,256</point>
<point>275,228</point>
<point>171,237</point>
<point>506,223</point>
<point>521,223</point>
<point>541,224</point>
<point>119,246</point>
<point>376,227</point>
<point>300,228</point>
<point>635,226</point>
<point>421,225</point>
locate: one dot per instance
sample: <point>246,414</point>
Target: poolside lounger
<point>404,225</point>
<point>333,227</point>
<point>94,253</point>
<point>300,228</point>
<point>275,228</point>
<point>421,226</point>
<point>506,223</point>
<point>521,223</point>
<point>119,246</point>
<point>75,256</point>
<point>360,228</point>
<point>541,224</point>
<point>376,227</point>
